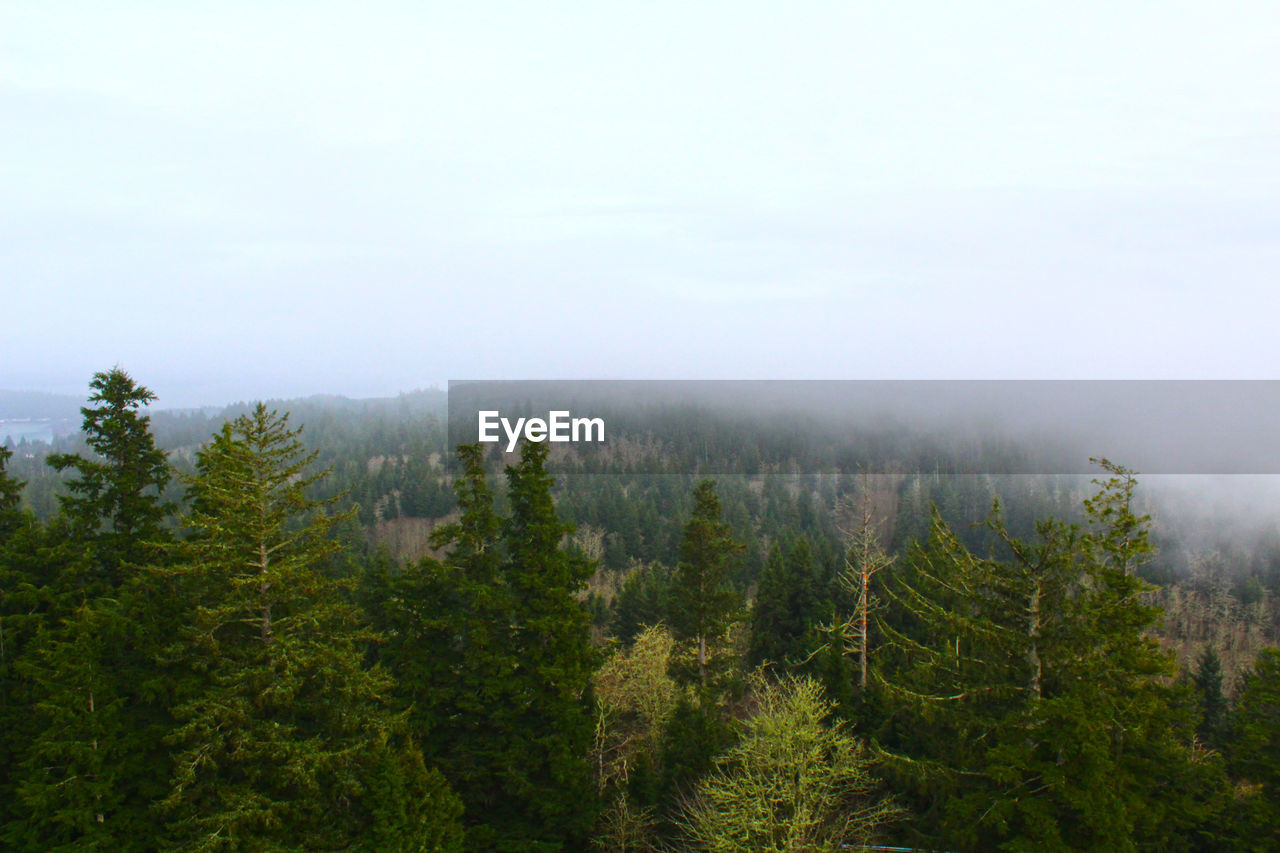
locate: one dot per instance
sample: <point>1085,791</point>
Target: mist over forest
<point>924,355</point>
<point>695,575</point>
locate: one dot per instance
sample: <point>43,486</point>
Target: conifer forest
<point>314,625</point>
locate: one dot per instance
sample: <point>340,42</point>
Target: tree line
<point>214,660</point>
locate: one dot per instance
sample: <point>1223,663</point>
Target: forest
<point>315,625</point>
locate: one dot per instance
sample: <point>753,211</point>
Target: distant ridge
<point>39,405</point>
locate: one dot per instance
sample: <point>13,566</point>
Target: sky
<point>240,200</point>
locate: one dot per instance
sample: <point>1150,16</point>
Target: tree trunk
<point>1033,652</point>
<point>702,659</point>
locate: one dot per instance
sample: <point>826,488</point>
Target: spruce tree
<point>78,771</point>
<point>1029,705</point>
<point>556,661</point>
<point>641,602</point>
<point>1255,753</point>
<point>450,645</point>
<point>491,644</point>
<point>1213,702</point>
<point>783,614</point>
<point>283,737</point>
<point>10,496</point>
<point>10,691</point>
<point>115,503</point>
<point>702,602</point>
<point>92,764</point>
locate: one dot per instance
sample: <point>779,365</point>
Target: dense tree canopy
<point>347,645</point>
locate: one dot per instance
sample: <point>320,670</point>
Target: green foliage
<point>1016,689</point>
<point>556,659</point>
<point>77,770</point>
<point>695,733</point>
<point>702,602</point>
<point>491,646</point>
<point>20,619</point>
<point>1255,756</point>
<point>793,782</point>
<point>635,697</point>
<point>10,496</point>
<point>782,618</point>
<point>114,503</point>
<point>1213,702</point>
<point>280,728</point>
<point>1030,705</point>
<point>411,808</point>
<point>84,761</point>
<point>448,626</point>
<point>641,602</point>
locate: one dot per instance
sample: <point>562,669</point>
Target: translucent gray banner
<point>817,426</point>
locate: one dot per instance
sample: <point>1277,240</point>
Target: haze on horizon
<point>263,200</point>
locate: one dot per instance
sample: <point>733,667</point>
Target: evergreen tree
<point>702,603</point>
<point>115,503</point>
<point>695,733</point>
<point>1255,754</point>
<point>78,771</point>
<point>13,704</point>
<point>491,645</point>
<point>1213,702</point>
<point>284,738</point>
<point>89,769</point>
<point>556,661</point>
<point>783,614</point>
<point>10,496</point>
<point>448,626</point>
<point>1030,706</point>
<point>641,602</point>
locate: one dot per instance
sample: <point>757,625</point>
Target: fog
<point>1155,427</point>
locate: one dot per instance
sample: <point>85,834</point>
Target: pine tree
<point>88,769</point>
<point>10,496</point>
<point>283,735</point>
<point>556,661</point>
<point>1213,702</point>
<point>702,602</point>
<point>1030,705</point>
<point>115,503</point>
<point>1255,754</point>
<point>783,614</point>
<point>449,644</point>
<point>491,645</point>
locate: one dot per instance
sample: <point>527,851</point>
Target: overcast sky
<point>240,200</point>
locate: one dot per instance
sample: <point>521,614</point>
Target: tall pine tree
<point>90,767</point>
<point>782,618</point>
<point>284,738</point>
<point>702,602</point>
<point>555,662</point>
<point>115,502</point>
<point>1256,751</point>
<point>491,644</point>
<point>448,625</point>
<point>1028,704</point>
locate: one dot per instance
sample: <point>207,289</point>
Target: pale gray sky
<point>235,200</point>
